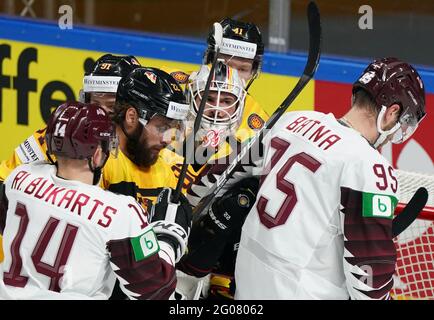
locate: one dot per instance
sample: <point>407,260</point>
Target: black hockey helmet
<point>240,39</point>
<point>106,74</point>
<point>152,91</point>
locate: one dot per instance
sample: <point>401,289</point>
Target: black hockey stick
<point>189,141</point>
<point>403,220</point>
<point>314,22</point>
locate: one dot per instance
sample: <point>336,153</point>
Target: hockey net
<point>414,277</point>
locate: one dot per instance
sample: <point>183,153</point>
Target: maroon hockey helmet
<point>390,81</point>
<point>75,130</point>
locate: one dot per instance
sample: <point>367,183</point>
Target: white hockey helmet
<point>220,118</point>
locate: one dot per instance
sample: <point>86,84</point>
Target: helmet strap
<point>383,134</point>
<point>250,83</point>
<point>96,171</point>
<point>51,159</point>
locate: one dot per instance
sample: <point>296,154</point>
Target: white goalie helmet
<point>225,104</point>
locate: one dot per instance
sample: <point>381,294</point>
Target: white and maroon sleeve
<point>368,200</point>
<point>144,266</point>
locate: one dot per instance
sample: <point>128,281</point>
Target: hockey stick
<point>314,22</point>
<point>218,36</point>
<point>403,220</point>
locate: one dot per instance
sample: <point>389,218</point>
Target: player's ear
<point>131,118</point>
<point>394,110</point>
<point>392,115</point>
<point>98,157</point>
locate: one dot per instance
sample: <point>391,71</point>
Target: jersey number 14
<point>13,277</point>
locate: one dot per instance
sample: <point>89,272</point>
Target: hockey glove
<point>220,227</point>
<point>228,212</point>
<point>172,222</point>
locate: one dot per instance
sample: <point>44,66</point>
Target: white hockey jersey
<point>321,227</point>
<point>64,239</point>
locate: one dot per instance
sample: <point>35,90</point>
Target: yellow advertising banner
<point>37,78</point>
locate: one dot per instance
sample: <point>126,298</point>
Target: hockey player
<point>321,227</point>
<point>99,86</point>
<point>242,49</point>
<point>68,239</point>
<point>150,110</point>
<point>220,122</point>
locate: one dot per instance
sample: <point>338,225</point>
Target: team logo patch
<point>255,122</point>
<point>243,200</point>
<point>212,138</point>
<point>151,76</point>
<point>180,77</point>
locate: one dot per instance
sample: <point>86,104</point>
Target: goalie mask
<point>391,81</point>
<point>225,104</point>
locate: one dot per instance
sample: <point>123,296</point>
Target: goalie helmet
<point>75,130</point>
<point>106,73</point>
<point>220,118</point>
<point>152,91</point>
<point>240,39</point>
<point>391,81</point>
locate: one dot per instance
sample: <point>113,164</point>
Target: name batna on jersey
<point>322,217</point>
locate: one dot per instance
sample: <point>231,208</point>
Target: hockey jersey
<point>32,149</point>
<point>321,227</point>
<point>197,184</point>
<point>199,178</point>
<point>121,175</point>
<point>64,239</point>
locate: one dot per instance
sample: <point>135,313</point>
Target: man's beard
<point>138,149</point>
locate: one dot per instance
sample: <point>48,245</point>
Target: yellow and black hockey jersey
<point>121,175</point>
<point>32,149</point>
<point>253,119</point>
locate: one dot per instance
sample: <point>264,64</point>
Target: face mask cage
<point>219,114</point>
